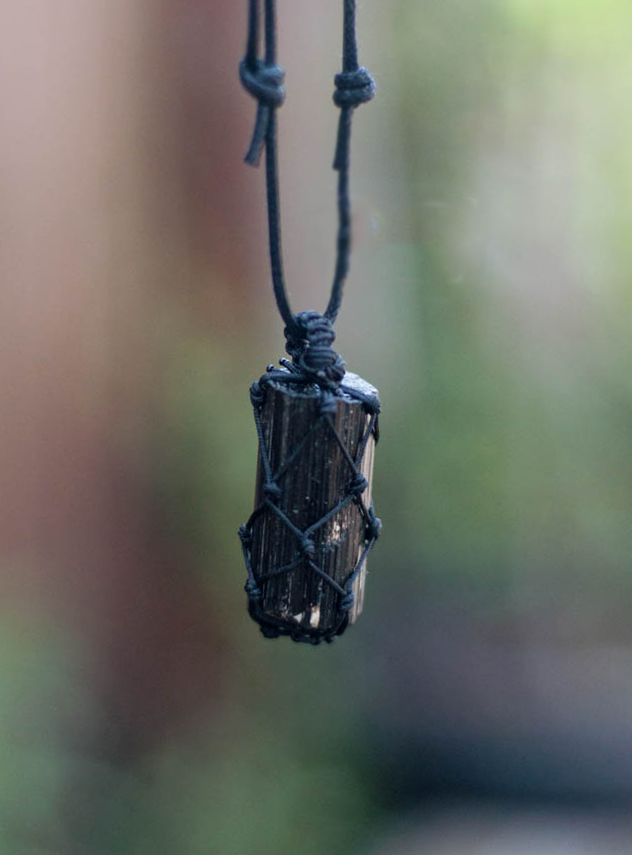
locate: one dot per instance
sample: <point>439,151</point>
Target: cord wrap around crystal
<point>306,543</point>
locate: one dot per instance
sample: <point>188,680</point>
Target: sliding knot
<point>263,82</point>
<point>358,484</point>
<point>353,88</point>
<point>309,343</point>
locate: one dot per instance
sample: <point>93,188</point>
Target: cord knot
<point>374,527</point>
<point>257,394</point>
<point>253,590</point>
<point>347,601</point>
<point>353,88</point>
<point>263,82</point>
<point>358,484</point>
<point>309,343</point>
<point>272,491</point>
<point>245,535</point>
<point>307,546</point>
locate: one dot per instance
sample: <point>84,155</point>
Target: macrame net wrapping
<point>308,373</point>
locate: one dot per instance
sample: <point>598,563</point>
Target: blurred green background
<point>482,703</point>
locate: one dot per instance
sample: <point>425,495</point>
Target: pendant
<point>307,541</point>
<point>313,526</point>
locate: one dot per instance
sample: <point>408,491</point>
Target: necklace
<point>307,541</point>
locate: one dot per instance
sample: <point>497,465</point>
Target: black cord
<point>263,79</point>
<point>309,335</point>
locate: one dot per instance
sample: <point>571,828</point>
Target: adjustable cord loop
<point>263,79</point>
<point>354,86</point>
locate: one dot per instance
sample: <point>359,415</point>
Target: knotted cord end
<point>354,88</point>
<point>265,84</point>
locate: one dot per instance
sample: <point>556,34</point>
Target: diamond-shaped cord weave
<point>306,553</point>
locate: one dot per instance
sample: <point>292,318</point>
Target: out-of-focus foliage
<point>517,208</point>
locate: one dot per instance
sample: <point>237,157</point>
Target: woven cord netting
<point>307,555</point>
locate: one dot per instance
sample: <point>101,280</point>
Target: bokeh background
<point>483,703</point>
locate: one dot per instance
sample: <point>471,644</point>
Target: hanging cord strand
<point>354,86</point>
<point>272,186</point>
<point>263,79</point>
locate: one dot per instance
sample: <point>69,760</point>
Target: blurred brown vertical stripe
<point>95,221</point>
